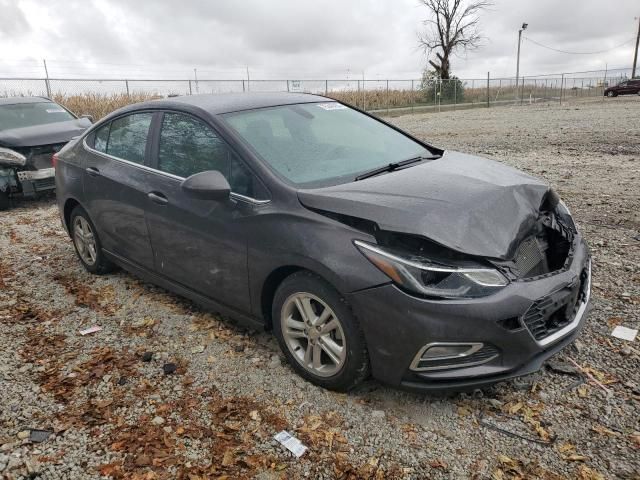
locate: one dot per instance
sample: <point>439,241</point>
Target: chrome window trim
<point>236,196</point>
<point>474,347</point>
<point>576,319</point>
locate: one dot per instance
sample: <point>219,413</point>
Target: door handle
<point>94,172</point>
<point>158,198</point>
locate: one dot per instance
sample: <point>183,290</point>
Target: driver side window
<point>188,146</point>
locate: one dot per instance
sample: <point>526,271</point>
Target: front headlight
<point>11,158</point>
<point>421,276</point>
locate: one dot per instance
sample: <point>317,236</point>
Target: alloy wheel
<point>84,240</point>
<point>313,334</point>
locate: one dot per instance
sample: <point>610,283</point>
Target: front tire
<point>612,94</point>
<point>87,244</point>
<point>318,333</point>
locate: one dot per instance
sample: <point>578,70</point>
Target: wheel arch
<point>274,280</point>
<point>69,205</point>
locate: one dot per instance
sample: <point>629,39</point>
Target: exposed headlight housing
<point>565,215</point>
<point>11,158</point>
<point>421,276</point>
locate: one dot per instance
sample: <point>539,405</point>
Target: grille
<point>44,184</point>
<point>485,354</point>
<point>553,312</point>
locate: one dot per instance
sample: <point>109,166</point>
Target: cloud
<point>13,22</point>
<point>295,39</point>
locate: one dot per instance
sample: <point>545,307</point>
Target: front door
<point>115,187</point>
<point>201,244</point>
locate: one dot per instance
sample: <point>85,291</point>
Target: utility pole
<point>524,27</point>
<point>635,56</point>
<point>46,82</point>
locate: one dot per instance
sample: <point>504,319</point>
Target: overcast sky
<point>297,38</point>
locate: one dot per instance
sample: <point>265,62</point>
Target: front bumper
<point>398,326</point>
<point>34,181</point>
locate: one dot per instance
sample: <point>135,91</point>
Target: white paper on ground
<point>89,330</point>
<point>291,443</point>
<point>625,333</point>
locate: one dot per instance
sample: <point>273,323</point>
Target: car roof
<point>17,100</point>
<point>219,103</point>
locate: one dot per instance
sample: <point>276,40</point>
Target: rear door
<point>115,186</point>
<point>201,244</point>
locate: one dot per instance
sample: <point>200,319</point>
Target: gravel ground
<point>108,408</point>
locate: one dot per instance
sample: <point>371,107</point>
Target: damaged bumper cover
<point>43,174</point>
<point>435,344</point>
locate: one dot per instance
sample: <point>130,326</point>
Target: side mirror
<point>209,185</point>
<point>88,117</point>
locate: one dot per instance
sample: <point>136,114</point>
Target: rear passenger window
<point>128,137</point>
<point>188,146</point>
<point>100,139</point>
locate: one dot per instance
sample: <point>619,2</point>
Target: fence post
<point>561,87</point>
<point>364,94</point>
<point>387,97</point>
<point>455,95</point>
<point>522,91</point>
<point>190,89</point>
<point>488,90</point>
<point>287,85</point>
<point>243,88</point>
<point>326,88</point>
<point>412,94</point>
<point>126,84</point>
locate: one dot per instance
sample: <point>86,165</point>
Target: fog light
<point>447,355</point>
<point>441,351</point>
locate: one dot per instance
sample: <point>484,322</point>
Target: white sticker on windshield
<point>332,106</point>
<point>55,110</point>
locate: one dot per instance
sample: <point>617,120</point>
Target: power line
<point>577,53</point>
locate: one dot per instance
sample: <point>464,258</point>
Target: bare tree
<point>452,27</point>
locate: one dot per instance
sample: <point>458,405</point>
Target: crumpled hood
<point>470,204</point>
<point>47,134</point>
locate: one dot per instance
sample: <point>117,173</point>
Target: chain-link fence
<point>99,96</point>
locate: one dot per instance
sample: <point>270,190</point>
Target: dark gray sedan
<point>365,250</point>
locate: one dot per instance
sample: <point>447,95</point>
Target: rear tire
<point>318,333</point>
<point>87,244</point>
<point>5,202</point>
<point>612,94</point>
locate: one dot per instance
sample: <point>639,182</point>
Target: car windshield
<point>319,144</point>
<point>30,114</point>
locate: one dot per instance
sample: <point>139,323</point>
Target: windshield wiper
<point>390,167</point>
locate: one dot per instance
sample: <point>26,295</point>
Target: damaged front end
<point>27,170</point>
<point>547,248</point>
<point>425,269</point>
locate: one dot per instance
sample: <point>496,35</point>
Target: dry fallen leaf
<point>602,430</point>
<point>586,473</point>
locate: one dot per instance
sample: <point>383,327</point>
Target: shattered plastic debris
<point>625,333</point>
<point>39,436</point>
<point>291,443</point>
<point>169,368</point>
<point>90,330</point>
